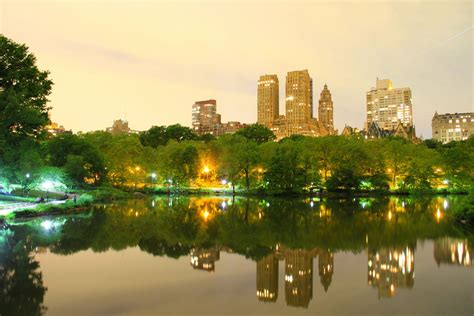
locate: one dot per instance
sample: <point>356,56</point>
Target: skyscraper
<point>299,98</point>
<point>387,106</point>
<point>204,116</point>
<point>325,110</point>
<point>267,100</point>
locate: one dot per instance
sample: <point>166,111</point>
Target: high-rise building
<point>299,118</point>
<point>267,100</point>
<point>452,127</point>
<point>325,110</point>
<point>267,278</point>
<point>299,98</point>
<point>204,116</point>
<point>387,106</point>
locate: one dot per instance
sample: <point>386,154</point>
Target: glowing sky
<point>148,61</point>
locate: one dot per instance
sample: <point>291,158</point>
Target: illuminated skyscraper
<point>325,110</point>
<point>299,98</point>
<point>387,106</point>
<point>267,100</point>
<point>204,116</point>
<point>267,278</point>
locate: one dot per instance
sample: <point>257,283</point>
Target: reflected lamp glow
<point>47,224</point>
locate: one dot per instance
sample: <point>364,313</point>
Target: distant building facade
<point>206,120</point>
<point>119,127</point>
<point>387,106</point>
<point>298,118</point>
<point>452,127</point>
<point>268,100</point>
<point>54,129</point>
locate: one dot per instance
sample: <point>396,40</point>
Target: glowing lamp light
<point>224,181</point>
<point>27,175</point>
<point>137,168</point>
<point>47,185</point>
<point>206,169</point>
<point>205,215</point>
<point>153,175</point>
<point>311,203</point>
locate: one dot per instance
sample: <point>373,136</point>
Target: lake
<point>241,256</point>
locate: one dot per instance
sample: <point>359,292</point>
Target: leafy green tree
<point>24,91</point>
<point>239,156</point>
<point>160,135</point>
<point>256,132</point>
<point>60,148</point>
<point>285,172</point>
<point>179,162</point>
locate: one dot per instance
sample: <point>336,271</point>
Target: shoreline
<point>109,195</point>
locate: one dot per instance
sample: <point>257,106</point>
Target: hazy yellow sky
<point>148,61</point>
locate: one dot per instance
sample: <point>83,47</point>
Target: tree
<point>64,151</point>
<point>179,162</point>
<point>24,91</point>
<point>239,155</point>
<point>256,132</point>
<point>160,135</point>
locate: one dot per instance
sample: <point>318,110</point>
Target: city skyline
<point>147,72</point>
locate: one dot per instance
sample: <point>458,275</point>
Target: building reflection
<point>452,251</point>
<point>204,259</point>
<point>326,268</point>
<point>391,268</point>
<point>298,277</point>
<point>267,278</point>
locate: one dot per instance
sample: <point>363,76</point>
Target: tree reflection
<point>21,283</point>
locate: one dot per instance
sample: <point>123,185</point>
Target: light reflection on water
<point>294,246</point>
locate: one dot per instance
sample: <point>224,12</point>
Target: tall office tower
<point>267,100</point>
<point>204,116</point>
<point>299,98</point>
<point>267,278</point>
<point>387,106</point>
<point>326,110</point>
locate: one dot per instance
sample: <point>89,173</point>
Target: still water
<point>224,256</point>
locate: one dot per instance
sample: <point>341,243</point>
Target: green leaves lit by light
<point>366,185</point>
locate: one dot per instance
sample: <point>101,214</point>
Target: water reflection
<point>452,251</point>
<point>390,269</point>
<point>301,234</point>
